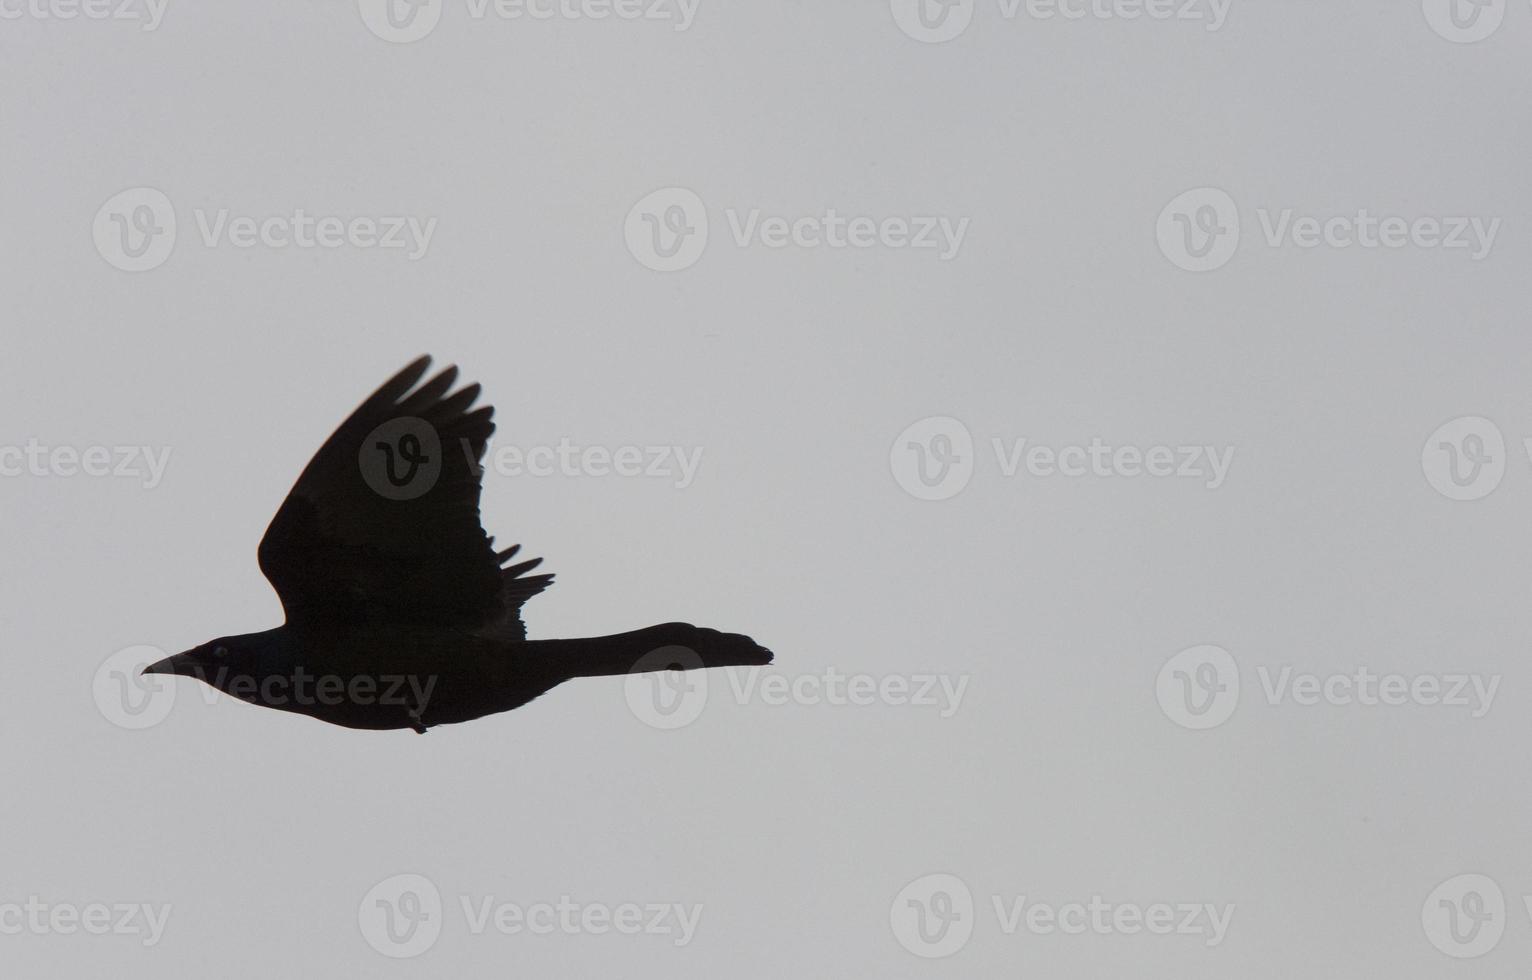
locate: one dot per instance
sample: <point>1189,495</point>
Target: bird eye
<point>220,651</point>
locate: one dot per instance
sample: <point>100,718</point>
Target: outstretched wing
<point>383,524</point>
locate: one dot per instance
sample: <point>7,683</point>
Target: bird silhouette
<point>400,612</point>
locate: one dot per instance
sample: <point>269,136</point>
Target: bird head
<point>209,662</point>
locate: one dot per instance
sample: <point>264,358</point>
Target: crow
<point>400,612</point>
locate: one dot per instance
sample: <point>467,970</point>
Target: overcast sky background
<point>1331,544</point>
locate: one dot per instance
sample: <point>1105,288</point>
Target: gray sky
<point>981,360</point>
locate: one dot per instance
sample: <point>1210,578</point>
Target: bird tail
<point>670,646</point>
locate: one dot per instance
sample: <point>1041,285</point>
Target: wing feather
<point>383,524</point>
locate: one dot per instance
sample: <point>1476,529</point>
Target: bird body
<point>400,612</point>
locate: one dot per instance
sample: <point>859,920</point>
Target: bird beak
<point>181,663</point>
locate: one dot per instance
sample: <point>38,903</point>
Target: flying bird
<point>400,612</point>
